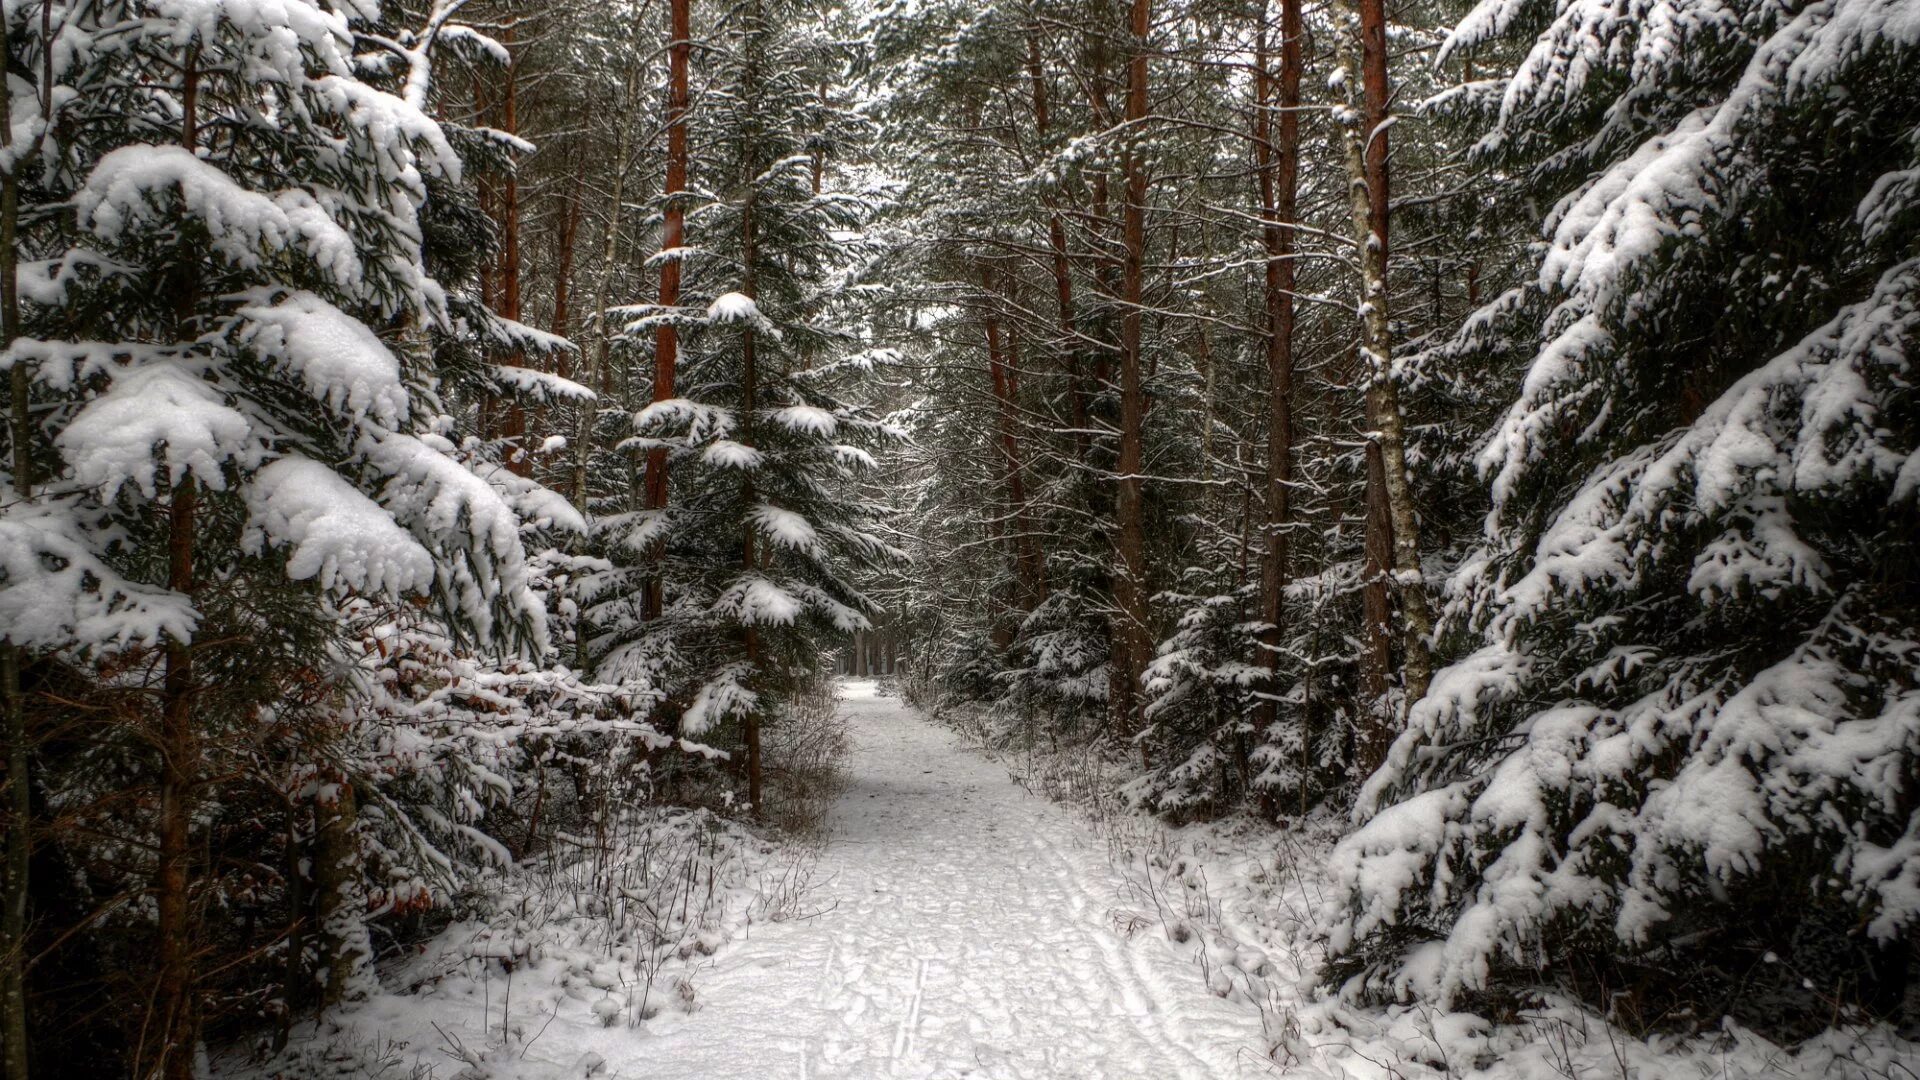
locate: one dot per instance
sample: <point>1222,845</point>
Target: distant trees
<point>1195,400</point>
<point>1258,289</point>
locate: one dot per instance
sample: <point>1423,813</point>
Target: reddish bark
<point>1130,584</point>
<point>666,339</point>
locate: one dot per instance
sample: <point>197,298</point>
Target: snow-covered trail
<point>971,934</point>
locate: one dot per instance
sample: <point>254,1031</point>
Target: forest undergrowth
<point>610,926</point>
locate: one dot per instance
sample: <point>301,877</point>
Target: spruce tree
<point>231,315</point>
<point>1684,731</point>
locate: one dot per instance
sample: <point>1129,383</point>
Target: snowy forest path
<point>966,929</point>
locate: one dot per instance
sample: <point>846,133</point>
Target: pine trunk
<point>1130,584</point>
<point>666,338</point>
<point>750,401</point>
<point>1029,563</point>
<point>514,430</point>
<point>1059,263</point>
<point>175,997</point>
<point>1277,150</point>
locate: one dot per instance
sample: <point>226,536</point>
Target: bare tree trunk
<point>1130,585</point>
<point>1057,244</point>
<point>750,401</point>
<point>1029,565</point>
<point>666,338</point>
<point>1376,608</point>
<point>562,324</point>
<point>595,375</point>
<point>1277,152</point>
<point>1366,154</point>
<point>519,457</point>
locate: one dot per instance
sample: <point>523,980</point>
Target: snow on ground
<point>1243,900</point>
<point>957,925</point>
<point>954,926</point>
<point>969,934</point>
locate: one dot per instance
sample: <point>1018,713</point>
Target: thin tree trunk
<point>175,994</point>
<point>514,431</point>
<point>1277,152</point>
<point>750,402</point>
<point>1130,585</point>
<point>1027,557</point>
<point>1366,154</point>
<point>563,273</point>
<point>597,363</point>
<point>1376,604</point>
<point>666,338</point>
<point>13,658</point>
<point>1030,547</point>
<point>596,375</point>
<point>179,748</point>
<point>1060,263</point>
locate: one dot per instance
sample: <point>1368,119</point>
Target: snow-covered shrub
<point>1200,688</point>
<point>806,749</point>
<point>1687,731</point>
<point>1057,672</point>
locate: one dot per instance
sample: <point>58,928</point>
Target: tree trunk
<point>1376,608</point>
<point>175,996</point>
<point>1060,263</point>
<point>562,325</point>
<point>1130,585</point>
<point>514,430</point>
<point>666,338</point>
<point>13,658</point>
<point>596,375</point>
<point>343,935</point>
<point>1029,565</point>
<point>749,402</point>
<point>175,1006</point>
<point>1366,154</point>
<point>1277,153</point>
